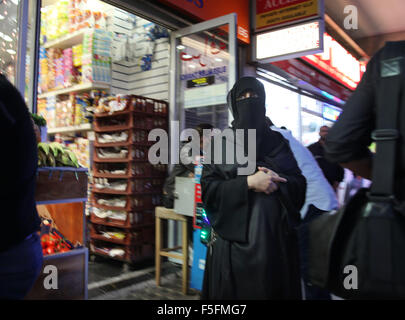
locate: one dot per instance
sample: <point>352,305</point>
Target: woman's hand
<point>265,180</point>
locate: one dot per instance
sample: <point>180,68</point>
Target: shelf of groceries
<point>78,88</point>
<point>72,129</point>
<point>68,40</point>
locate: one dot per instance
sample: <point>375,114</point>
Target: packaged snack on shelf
<point>59,73</point>
<point>96,95</point>
<point>68,67</point>
<point>113,104</point>
<point>72,20</point>
<point>41,108</point>
<point>112,201</point>
<point>63,19</point>
<point>77,55</point>
<point>51,112</point>
<point>100,20</point>
<point>111,250</point>
<point>112,137</point>
<point>64,114</point>
<point>81,148</point>
<point>81,102</point>
<point>111,184</point>
<point>111,214</point>
<point>112,153</point>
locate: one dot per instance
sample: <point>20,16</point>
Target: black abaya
<point>255,254</point>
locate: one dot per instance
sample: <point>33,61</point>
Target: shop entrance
<point>203,64</point>
<point>95,58</point>
<point>203,70</point>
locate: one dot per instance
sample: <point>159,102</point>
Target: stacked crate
<point>126,187</point>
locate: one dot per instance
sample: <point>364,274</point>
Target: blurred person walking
<point>20,247</point>
<point>368,232</point>
<point>332,171</point>
<point>181,169</point>
<point>319,196</point>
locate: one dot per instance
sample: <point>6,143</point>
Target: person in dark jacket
<point>348,141</point>
<point>332,171</point>
<point>181,169</point>
<point>253,253</point>
<point>20,247</point>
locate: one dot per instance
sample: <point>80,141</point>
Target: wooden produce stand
<point>63,193</point>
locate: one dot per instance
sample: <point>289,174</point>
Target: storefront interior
<point>101,78</point>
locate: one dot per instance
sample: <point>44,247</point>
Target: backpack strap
<point>391,74</point>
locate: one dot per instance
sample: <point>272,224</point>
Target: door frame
<point>231,20</point>
<point>174,236</point>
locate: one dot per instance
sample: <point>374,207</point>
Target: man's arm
<point>348,140</point>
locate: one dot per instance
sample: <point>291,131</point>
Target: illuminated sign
<point>337,62</point>
<point>200,82</point>
<point>302,71</point>
<point>290,42</point>
<point>276,13</point>
<point>204,73</point>
<point>210,9</point>
<point>330,113</point>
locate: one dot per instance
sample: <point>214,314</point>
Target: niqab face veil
<point>247,102</point>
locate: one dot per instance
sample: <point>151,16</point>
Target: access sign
<point>275,13</point>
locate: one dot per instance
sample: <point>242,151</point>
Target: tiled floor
<point>110,280</point>
<point>170,289</point>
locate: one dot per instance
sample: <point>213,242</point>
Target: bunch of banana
<point>56,155</point>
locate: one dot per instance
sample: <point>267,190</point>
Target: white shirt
<point>319,192</point>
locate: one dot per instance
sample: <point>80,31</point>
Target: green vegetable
<point>56,155</point>
<point>56,149</point>
<point>38,120</point>
<point>44,147</point>
<point>50,160</point>
<point>41,158</point>
<point>73,158</point>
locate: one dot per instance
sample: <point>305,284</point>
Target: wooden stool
<point>164,213</point>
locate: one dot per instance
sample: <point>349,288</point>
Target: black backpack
<point>358,252</point>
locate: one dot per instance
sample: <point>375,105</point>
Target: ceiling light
<point>1,17</point>
<point>218,59</point>
<point>11,51</point>
<point>7,38</point>
<point>187,56</point>
<point>180,47</point>
<point>192,66</point>
<point>15,2</point>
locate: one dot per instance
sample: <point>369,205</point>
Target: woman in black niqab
<point>254,251</point>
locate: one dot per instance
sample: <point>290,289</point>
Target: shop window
<point>282,107</point>
<point>90,50</point>
<point>17,44</point>
<point>9,28</point>
<point>204,78</point>
<point>310,128</point>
